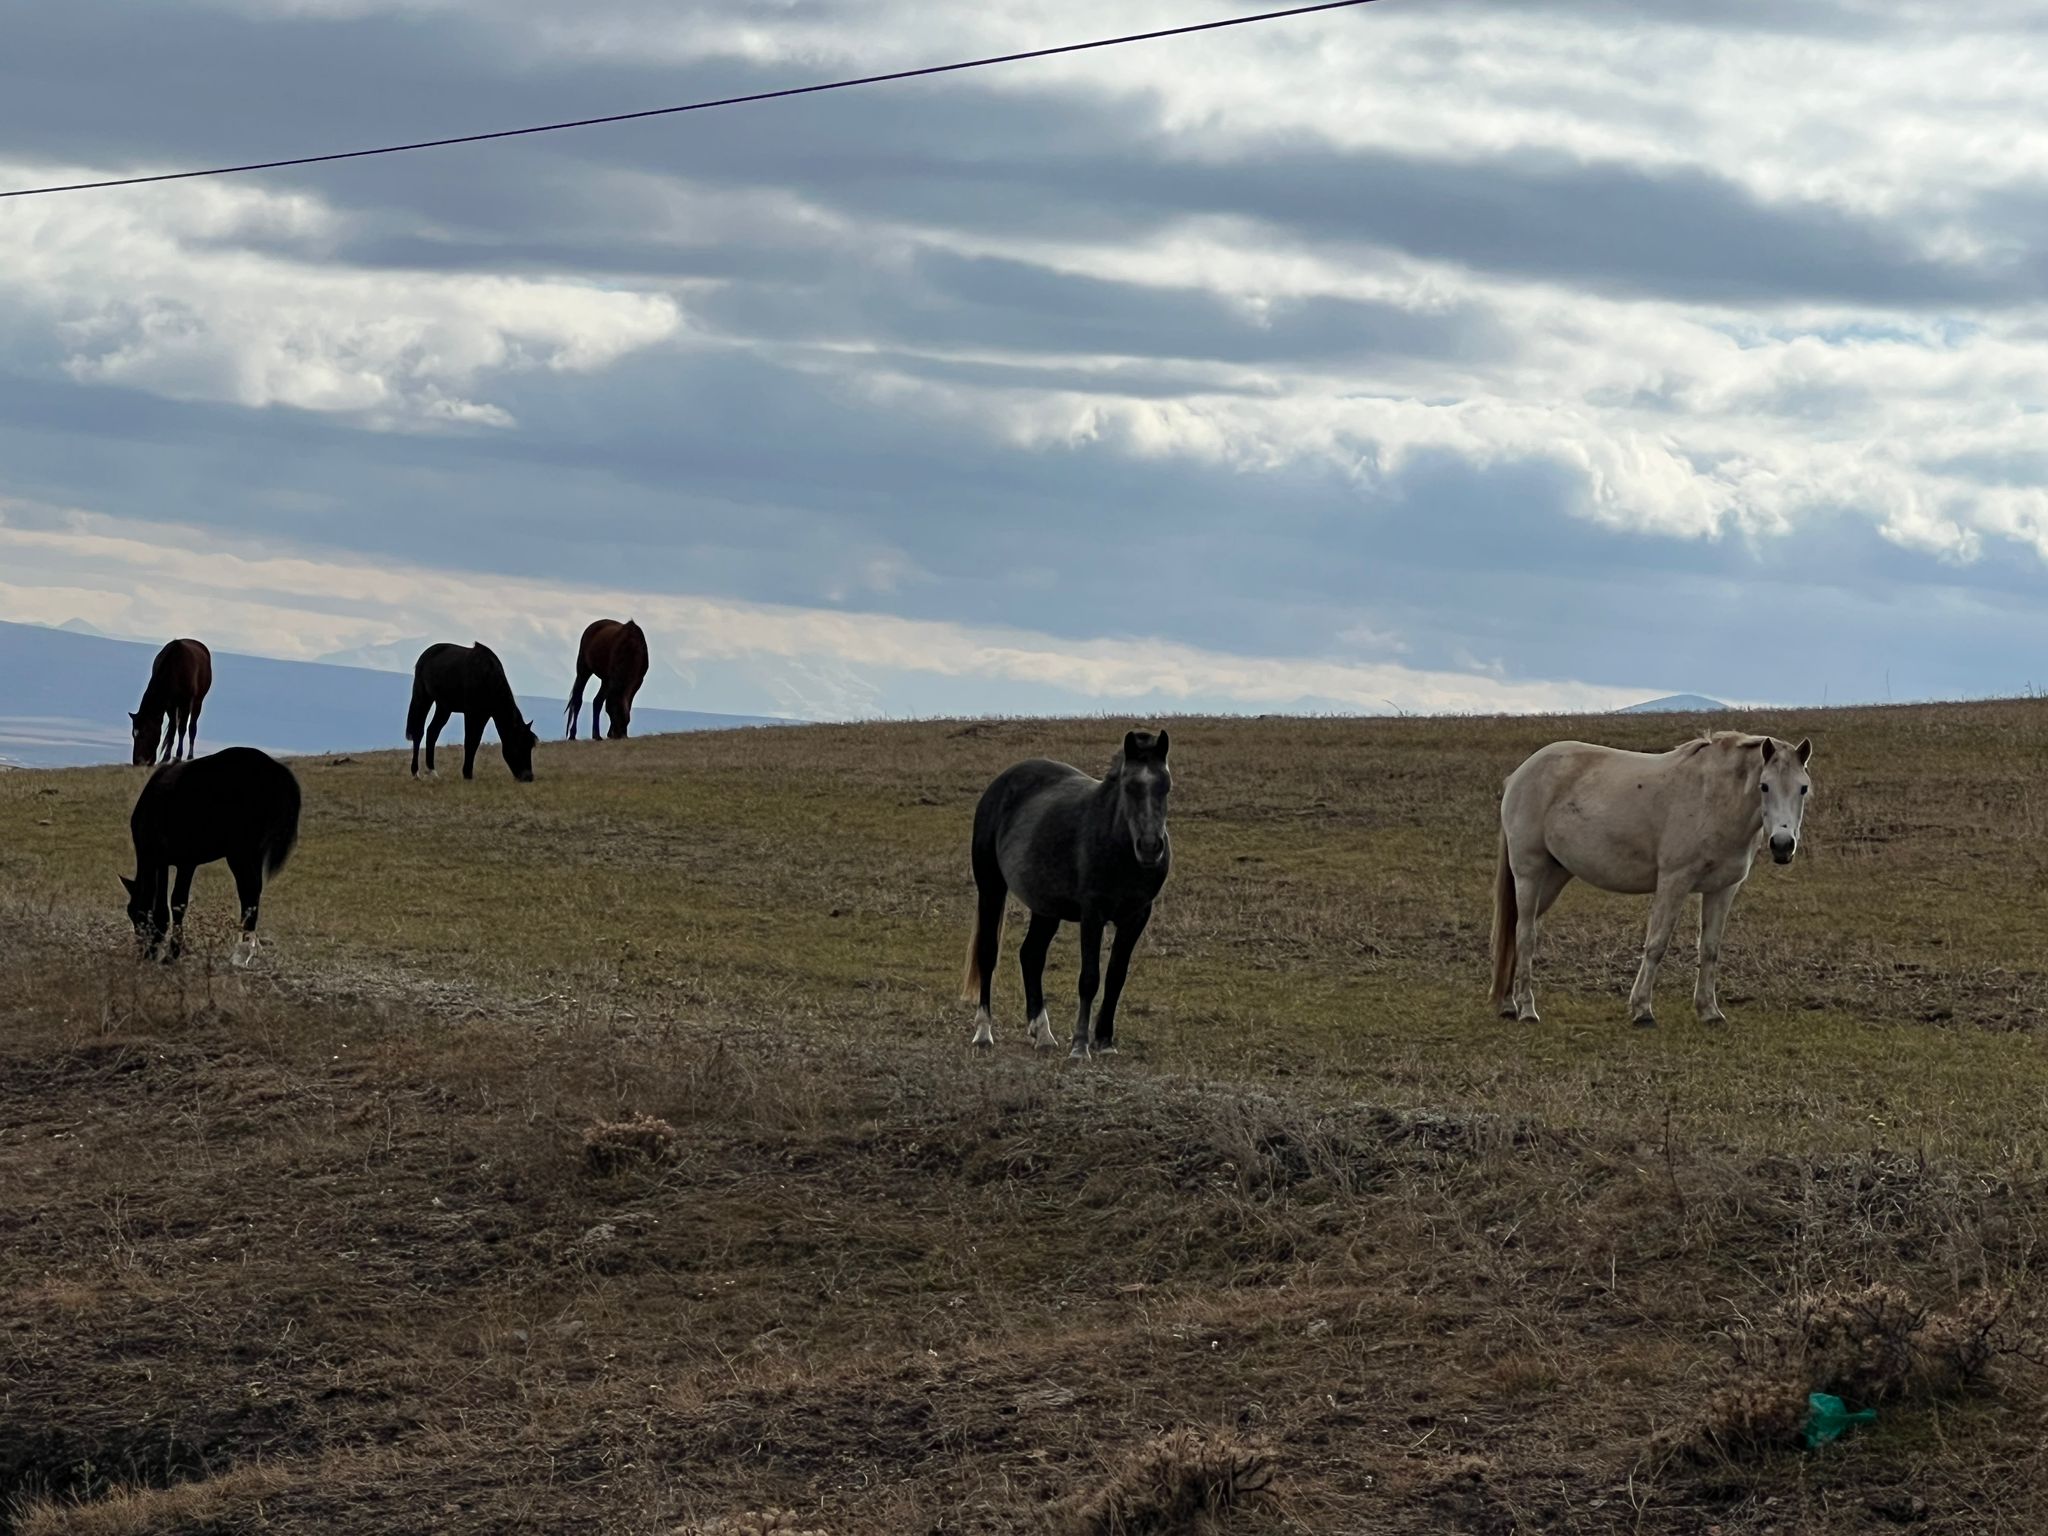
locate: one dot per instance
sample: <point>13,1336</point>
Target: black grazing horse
<point>178,680</point>
<point>469,679</point>
<point>240,805</point>
<point>1074,850</point>
<point>616,654</point>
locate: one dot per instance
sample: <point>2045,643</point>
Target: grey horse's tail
<point>988,919</point>
<point>1504,919</point>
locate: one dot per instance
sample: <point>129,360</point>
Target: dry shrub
<point>208,1502</point>
<point>1172,1485</point>
<point>613,1145</point>
<point>762,1522</point>
<point>1868,1346</point>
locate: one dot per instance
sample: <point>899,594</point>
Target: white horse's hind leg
<point>984,1028</point>
<point>1529,905</point>
<point>1714,909</point>
<point>1664,907</point>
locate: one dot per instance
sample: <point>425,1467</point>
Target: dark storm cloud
<point>942,154</point>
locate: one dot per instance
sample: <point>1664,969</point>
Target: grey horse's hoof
<point>1644,1021</point>
<point>1531,1016</point>
<point>1078,1053</point>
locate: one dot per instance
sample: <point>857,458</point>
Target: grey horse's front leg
<point>1664,907</point>
<point>1714,909</point>
<point>1091,977</point>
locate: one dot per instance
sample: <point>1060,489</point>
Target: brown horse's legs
<point>604,690</point>
<point>192,731</point>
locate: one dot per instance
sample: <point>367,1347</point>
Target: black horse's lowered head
<point>518,748</point>
<point>1143,781</point>
<point>141,913</point>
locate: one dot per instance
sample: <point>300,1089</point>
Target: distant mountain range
<point>65,693</point>
<point>1676,704</point>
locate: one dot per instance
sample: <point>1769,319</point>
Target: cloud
<point>1494,329</point>
<point>310,604</point>
<point>153,290</point>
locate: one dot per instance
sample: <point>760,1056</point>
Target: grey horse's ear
<point>1770,749</point>
<point>1805,750</point>
<point>1132,746</point>
<point>1159,745</point>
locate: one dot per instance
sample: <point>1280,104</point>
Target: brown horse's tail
<point>1504,919</point>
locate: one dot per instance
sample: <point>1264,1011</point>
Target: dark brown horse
<point>178,681</point>
<point>616,654</point>
<point>467,680</point>
<point>240,805</point>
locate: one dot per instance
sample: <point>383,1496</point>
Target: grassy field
<point>326,1245</point>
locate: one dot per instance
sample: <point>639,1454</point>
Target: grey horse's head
<point>1783,787</point>
<point>1142,783</point>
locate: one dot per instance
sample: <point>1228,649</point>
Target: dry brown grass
<point>337,1219</point>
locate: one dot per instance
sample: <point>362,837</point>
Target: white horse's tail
<point>1504,919</point>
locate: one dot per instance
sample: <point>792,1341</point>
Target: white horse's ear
<point>1805,751</point>
<point>1770,749</point>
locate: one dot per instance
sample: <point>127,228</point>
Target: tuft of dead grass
<point>766,1522</point>
<point>233,1496</point>
<point>611,1146</point>
<point>1869,1345</point>
<point>1176,1485</point>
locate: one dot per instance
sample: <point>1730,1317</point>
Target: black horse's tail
<point>283,835</point>
<point>416,712</point>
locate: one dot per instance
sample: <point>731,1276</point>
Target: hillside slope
<point>321,1247</point>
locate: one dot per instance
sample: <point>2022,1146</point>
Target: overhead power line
<point>698,106</point>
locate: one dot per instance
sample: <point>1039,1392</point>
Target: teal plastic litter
<point>1829,1418</point>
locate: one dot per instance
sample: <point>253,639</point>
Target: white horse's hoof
<point>1644,1021</point>
<point>1041,1032</point>
<point>243,957</point>
<point>984,1031</point>
<point>1104,1050</point>
<point>1528,1016</point>
<point>1078,1053</point>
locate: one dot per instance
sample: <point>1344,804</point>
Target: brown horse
<point>616,654</point>
<point>178,681</point>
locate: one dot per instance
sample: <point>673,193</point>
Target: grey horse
<point>1077,850</point>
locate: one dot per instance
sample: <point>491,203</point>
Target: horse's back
<point>1596,810</point>
<point>185,664</point>
<point>233,801</point>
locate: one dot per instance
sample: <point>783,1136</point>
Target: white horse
<point>1646,824</point>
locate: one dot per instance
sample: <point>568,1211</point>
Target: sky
<point>1461,355</point>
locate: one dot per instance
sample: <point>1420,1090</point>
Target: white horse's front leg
<point>1714,909</point>
<point>1671,894</point>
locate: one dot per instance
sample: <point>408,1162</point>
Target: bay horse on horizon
<point>468,680</point>
<point>178,682</point>
<point>1074,849</point>
<point>241,805</point>
<point>1652,824</point>
<point>616,654</point>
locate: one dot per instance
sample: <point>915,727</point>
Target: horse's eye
<point>1804,788</point>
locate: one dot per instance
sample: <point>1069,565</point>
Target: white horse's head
<point>1783,786</point>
